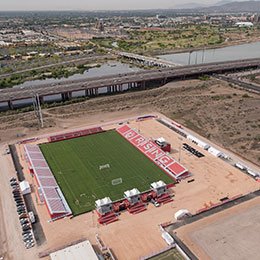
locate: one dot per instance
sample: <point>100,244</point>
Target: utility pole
<point>189,57</point>
<point>37,107</point>
<point>39,110</point>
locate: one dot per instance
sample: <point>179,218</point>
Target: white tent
<point>25,187</point>
<point>181,213</point>
<point>215,152</point>
<point>200,143</point>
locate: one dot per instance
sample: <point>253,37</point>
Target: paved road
<point>240,83</point>
<point>141,76</point>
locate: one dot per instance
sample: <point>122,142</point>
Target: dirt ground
<point>225,115</point>
<point>231,234</point>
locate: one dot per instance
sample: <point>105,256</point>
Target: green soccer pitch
<point>76,163</point>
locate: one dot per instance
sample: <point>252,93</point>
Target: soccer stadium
<point>97,166</point>
<point>93,181</point>
<point>107,170</point>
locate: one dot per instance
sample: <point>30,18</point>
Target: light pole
<point>37,106</point>
<point>189,57</point>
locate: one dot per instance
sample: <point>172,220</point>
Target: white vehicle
<point>32,217</point>
<point>155,203</point>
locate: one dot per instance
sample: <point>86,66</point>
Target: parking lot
<point>25,218</point>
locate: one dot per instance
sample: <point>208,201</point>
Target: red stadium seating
<point>75,134</point>
<point>48,191</point>
<point>153,152</point>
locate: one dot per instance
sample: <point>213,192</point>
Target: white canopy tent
<point>181,213</point>
<point>25,187</point>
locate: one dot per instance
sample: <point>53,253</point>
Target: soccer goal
<point>117,181</point>
<point>104,166</point>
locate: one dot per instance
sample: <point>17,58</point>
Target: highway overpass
<point>117,83</point>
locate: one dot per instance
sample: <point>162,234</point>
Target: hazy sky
<point>91,4</point>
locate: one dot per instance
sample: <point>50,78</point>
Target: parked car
<point>155,203</point>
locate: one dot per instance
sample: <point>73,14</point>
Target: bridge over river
<point>10,98</point>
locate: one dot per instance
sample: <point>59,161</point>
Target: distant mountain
<point>189,6</point>
<point>223,6</point>
<point>234,6</point>
<point>223,2</point>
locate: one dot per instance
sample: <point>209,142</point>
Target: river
<point>109,68</point>
<point>236,52</point>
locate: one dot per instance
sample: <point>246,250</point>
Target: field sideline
<point>75,165</point>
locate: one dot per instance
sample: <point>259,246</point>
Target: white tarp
<point>25,187</point>
<point>200,143</point>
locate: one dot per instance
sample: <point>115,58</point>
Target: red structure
<point>154,153</point>
<point>107,218</point>
<point>48,189</point>
<point>136,208</point>
<point>165,146</point>
<point>75,134</point>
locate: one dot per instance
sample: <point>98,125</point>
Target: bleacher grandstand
<point>48,187</point>
<point>75,134</point>
<point>154,153</point>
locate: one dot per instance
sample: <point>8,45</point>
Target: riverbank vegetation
<point>159,40</point>
<point>55,73</point>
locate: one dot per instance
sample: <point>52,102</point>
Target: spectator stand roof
<point>131,193</point>
<point>51,192</point>
<point>103,202</point>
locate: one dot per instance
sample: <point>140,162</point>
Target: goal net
<point>117,181</point>
<point>105,166</point>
